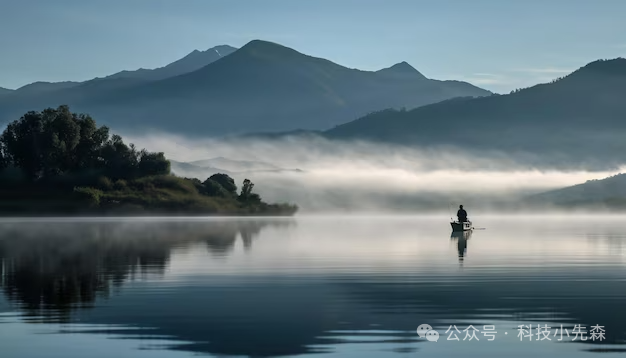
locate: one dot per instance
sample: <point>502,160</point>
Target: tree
<point>92,139</point>
<point>119,160</point>
<point>213,188</point>
<point>226,182</point>
<point>246,195</point>
<point>22,144</point>
<point>246,189</point>
<point>61,135</point>
<point>58,142</point>
<point>3,160</point>
<point>153,164</point>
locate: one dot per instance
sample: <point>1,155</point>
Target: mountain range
<point>261,87</point>
<point>580,117</point>
<point>270,91</point>
<point>192,62</point>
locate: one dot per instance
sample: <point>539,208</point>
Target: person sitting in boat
<point>461,214</point>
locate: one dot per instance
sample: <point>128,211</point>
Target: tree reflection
<point>51,268</point>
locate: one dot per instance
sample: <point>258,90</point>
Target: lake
<point>550,286</point>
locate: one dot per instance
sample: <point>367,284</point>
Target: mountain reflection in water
<point>283,287</point>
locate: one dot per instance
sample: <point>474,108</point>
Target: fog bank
<point>361,176</point>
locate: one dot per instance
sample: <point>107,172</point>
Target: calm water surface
<point>329,287</point>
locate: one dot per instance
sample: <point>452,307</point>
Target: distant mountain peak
<point>402,69</point>
<point>262,43</point>
<point>222,47</point>
<point>267,47</point>
<point>193,61</point>
<point>195,55</point>
<point>221,50</point>
<point>403,66</point>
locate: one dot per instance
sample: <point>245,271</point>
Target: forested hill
<point>582,115</point>
<point>609,193</point>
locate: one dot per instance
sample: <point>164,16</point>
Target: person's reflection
<point>461,238</point>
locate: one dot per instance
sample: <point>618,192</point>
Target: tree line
<point>60,149</point>
<point>56,142</point>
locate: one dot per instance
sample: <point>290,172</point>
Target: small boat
<point>461,226</point>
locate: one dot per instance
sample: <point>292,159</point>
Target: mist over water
<point>365,176</point>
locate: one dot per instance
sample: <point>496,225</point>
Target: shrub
<point>105,183</point>
<point>91,195</point>
<point>120,184</point>
<point>170,182</point>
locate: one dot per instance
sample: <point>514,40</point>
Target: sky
<point>499,45</point>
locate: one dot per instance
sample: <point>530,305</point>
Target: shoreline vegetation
<point>56,162</point>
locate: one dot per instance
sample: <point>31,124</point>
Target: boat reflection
<point>461,237</point>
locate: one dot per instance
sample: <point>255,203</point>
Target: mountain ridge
<point>42,86</point>
<point>585,106</point>
<point>189,63</point>
<point>261,87</point>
